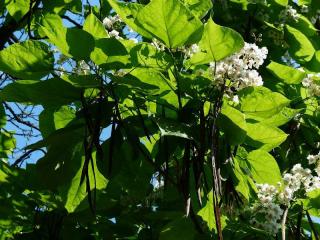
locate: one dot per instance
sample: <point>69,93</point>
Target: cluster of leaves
<point>137,144</point>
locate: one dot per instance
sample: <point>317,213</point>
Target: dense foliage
<point>161,119</point>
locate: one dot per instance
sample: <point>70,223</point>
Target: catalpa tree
<point>161,119</point>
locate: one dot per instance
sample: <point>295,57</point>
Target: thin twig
<point>283,223</point>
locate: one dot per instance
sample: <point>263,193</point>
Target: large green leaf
<point>207,212</point>
<point>282,117</point>
<point>259,102</point>
<point>198,7</point>
<point>181,228</point>
<point>263,167</point>
<point>146,55</point>
<point>233,124</point>
<point>29,59</point>
<point>285,73</point>
<point>128,13</point>
<point>60,6</point>
<point>17,8</point>
<point>300,46</point>
<point>52,119</point>
<point>76,192</point>
<point>109,51</point>
<point>314,64</point>
<point>72,42</point>
<point>51,92</point>
<point>7,144</point>
<point>82,81</point>
<point>217,42</point>
<point>170,21</point>
<point>264,137</point>
<point>95,27</point>
<point>173,128</point>
<point>242,182</point>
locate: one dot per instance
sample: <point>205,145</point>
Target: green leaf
<point>300,46</point>
<point>264,137</point>
<point>281,2</point>
<point>7,144</point>
<point>172,128</point>
<point>37,92</point>
<point>207,214</point>
<point>52,119</point>
<point>259,102</point>
<point>242,182</point>
<point>147,81</point>
<point>181,228</point>
<point>233,124</point>
<point>199,8</point>
<point>72,42</point>
<point>152,78</point>
<point>314,64</point>
<point>170,21</point>
<point>109,51</point>
<point>285,73</point>
<point>217,42</point>
<point>284,116</point>
<point>59,6</point>
<point>82,81</point>
<point>3,117</point>
<point>95,27</point>
<point>263,167</point>
<point>17,8</point>
<point>77,192</point>
<point>128,13</point>
<point>145,55</point>
<point>29,59</point>
<point>305,26</point>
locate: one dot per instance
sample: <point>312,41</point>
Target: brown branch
<point>18,119</point>
<point>72,21</point>
<point>7,30</point>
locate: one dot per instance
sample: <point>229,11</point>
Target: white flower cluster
<point>240,68</point>
<point>189,51</point>
<point>266,213</point>
<point>299,179</point>
<point>288,13</point>
<point>108,22</point>
<point>315,159</point>
<point>309,83</point>
<point>267,217</point>
<point>115,34</point>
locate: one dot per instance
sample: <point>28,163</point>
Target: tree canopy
<point>161,119</point>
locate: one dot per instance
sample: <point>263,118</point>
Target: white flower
<point>313,158</point>
<point>288,13</point>
<point>240,68</point>
<point>235,99</point>
<point>107,22</point>
<point>114,34</point>
<point>309,83</point>
<point>194,48</point>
